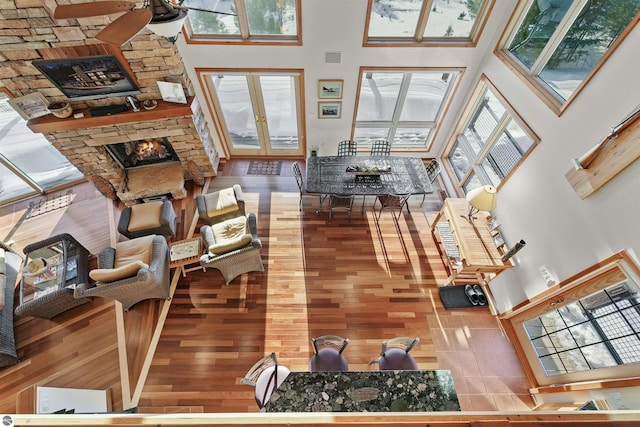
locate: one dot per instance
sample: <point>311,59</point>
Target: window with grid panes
<point>401,106</point>
<point>598,331</point>
<point>425,21</point>
<point>491,144</point>
<point>560,43</point>
<point>256,21</point>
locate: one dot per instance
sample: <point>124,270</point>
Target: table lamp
<point>481,199</point>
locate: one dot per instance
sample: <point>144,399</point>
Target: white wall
<point>537,204</point>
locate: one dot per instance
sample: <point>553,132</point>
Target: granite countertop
<point>365,391</point>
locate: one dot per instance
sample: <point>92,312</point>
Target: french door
<point>259,113</point>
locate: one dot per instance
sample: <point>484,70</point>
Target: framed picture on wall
<point>329,110</point>
<point>31,106</point>
<point>330,89</point>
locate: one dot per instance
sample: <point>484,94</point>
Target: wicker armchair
<point>217,206</point>
<point>156,217</point>
<point>11,262</point>
<point>237,261</point>
<point>147,283</point>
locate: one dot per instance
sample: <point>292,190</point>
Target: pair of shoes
<point>475,294</point>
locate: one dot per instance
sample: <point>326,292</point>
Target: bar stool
<point>395,355</point>
<point>328,354</point>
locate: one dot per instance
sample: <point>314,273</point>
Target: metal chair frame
<point>402,343</point>
<point>380,147</point>
<point>392,202</point>
<point>295,167</point>
<point>330,341</point>
<point>340,204</point>
<point>433,169</point>
<point>347,148</point>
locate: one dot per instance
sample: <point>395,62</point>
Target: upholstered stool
<point>328,360</point>
<point>397,359</point>
<point>268,381</point>
<point>156,217</point>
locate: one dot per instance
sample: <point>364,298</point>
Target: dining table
<point>365,391</point>
<point>339,175</point>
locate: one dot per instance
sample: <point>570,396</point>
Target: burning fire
<point>146,150</point>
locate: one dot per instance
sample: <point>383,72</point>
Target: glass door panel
<point>259,113</point>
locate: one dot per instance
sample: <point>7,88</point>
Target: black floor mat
<point>453,297</point>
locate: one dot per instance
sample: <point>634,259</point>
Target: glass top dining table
<point>328,175</point>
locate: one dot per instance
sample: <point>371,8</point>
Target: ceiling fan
<point>158,13</point>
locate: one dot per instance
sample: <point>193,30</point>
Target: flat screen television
<point>90,77</point>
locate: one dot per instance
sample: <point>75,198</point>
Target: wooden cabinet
<point>467,246</point>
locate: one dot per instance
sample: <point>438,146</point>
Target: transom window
<point>401,106</point>
<point>425,21</point>
<point>598,331</point>
<point>491,143</point>
<point>560,43</point>
<point>256,21</point>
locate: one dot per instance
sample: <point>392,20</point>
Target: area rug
<point>453,297</point>
<point>264,167</point>
<point>49,204</point>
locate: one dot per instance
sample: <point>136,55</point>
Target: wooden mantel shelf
<point>165,110</point>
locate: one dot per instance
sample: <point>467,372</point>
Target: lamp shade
<point>482,198</point>
<point>168,28</point>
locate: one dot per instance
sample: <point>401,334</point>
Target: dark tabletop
<point>327,175</point>
<point>365,391</point>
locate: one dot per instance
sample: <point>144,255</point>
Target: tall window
<point>560,43</point>
<point>256,21</point>
<point>402,106</point>
<point>424,21</point>
<point>29,164</point>
<point>491,143</point>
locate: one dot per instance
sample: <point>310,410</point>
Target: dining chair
<point>266,376</point>
<point>392,202</point>
<point>340,204</point>
<point>295,167</point>
<point>327,355</point>
<point>433,170</point>
<point>347,148</point>
<point>380,147</point>
<point>395,355</point>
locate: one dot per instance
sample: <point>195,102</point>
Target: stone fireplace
<point>151,151</point>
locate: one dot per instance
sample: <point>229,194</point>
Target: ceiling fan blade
<point>125,27</point>
<point>84,10</point>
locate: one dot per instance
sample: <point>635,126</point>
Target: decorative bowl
<point>61,110</point>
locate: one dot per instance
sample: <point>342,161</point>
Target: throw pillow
<point>229,245</point>
<point>145,216</point>
<point>229,229</point>
<point>106,275</point>
<point>138,249</point>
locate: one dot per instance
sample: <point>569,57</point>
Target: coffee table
<point>185,252</point>
<point>48,291</point>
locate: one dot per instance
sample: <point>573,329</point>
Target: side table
<point>48,291</point>
<point>185,252</point>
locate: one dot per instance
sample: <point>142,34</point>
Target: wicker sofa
<point>9,266</point>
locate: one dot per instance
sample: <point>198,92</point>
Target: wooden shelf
<point>610,161</point>
<point>165,110</point>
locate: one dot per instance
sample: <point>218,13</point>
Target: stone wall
<point>27,29</point>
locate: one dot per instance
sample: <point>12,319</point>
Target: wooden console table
<point>477,257</point>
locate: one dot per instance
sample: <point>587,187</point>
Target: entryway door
<point>259,113</point>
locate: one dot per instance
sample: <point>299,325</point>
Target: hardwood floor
<point>367,281</point>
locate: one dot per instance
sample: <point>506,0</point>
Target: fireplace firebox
<point>142,153</point>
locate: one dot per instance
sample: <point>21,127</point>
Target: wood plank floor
<point>367,281</point>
